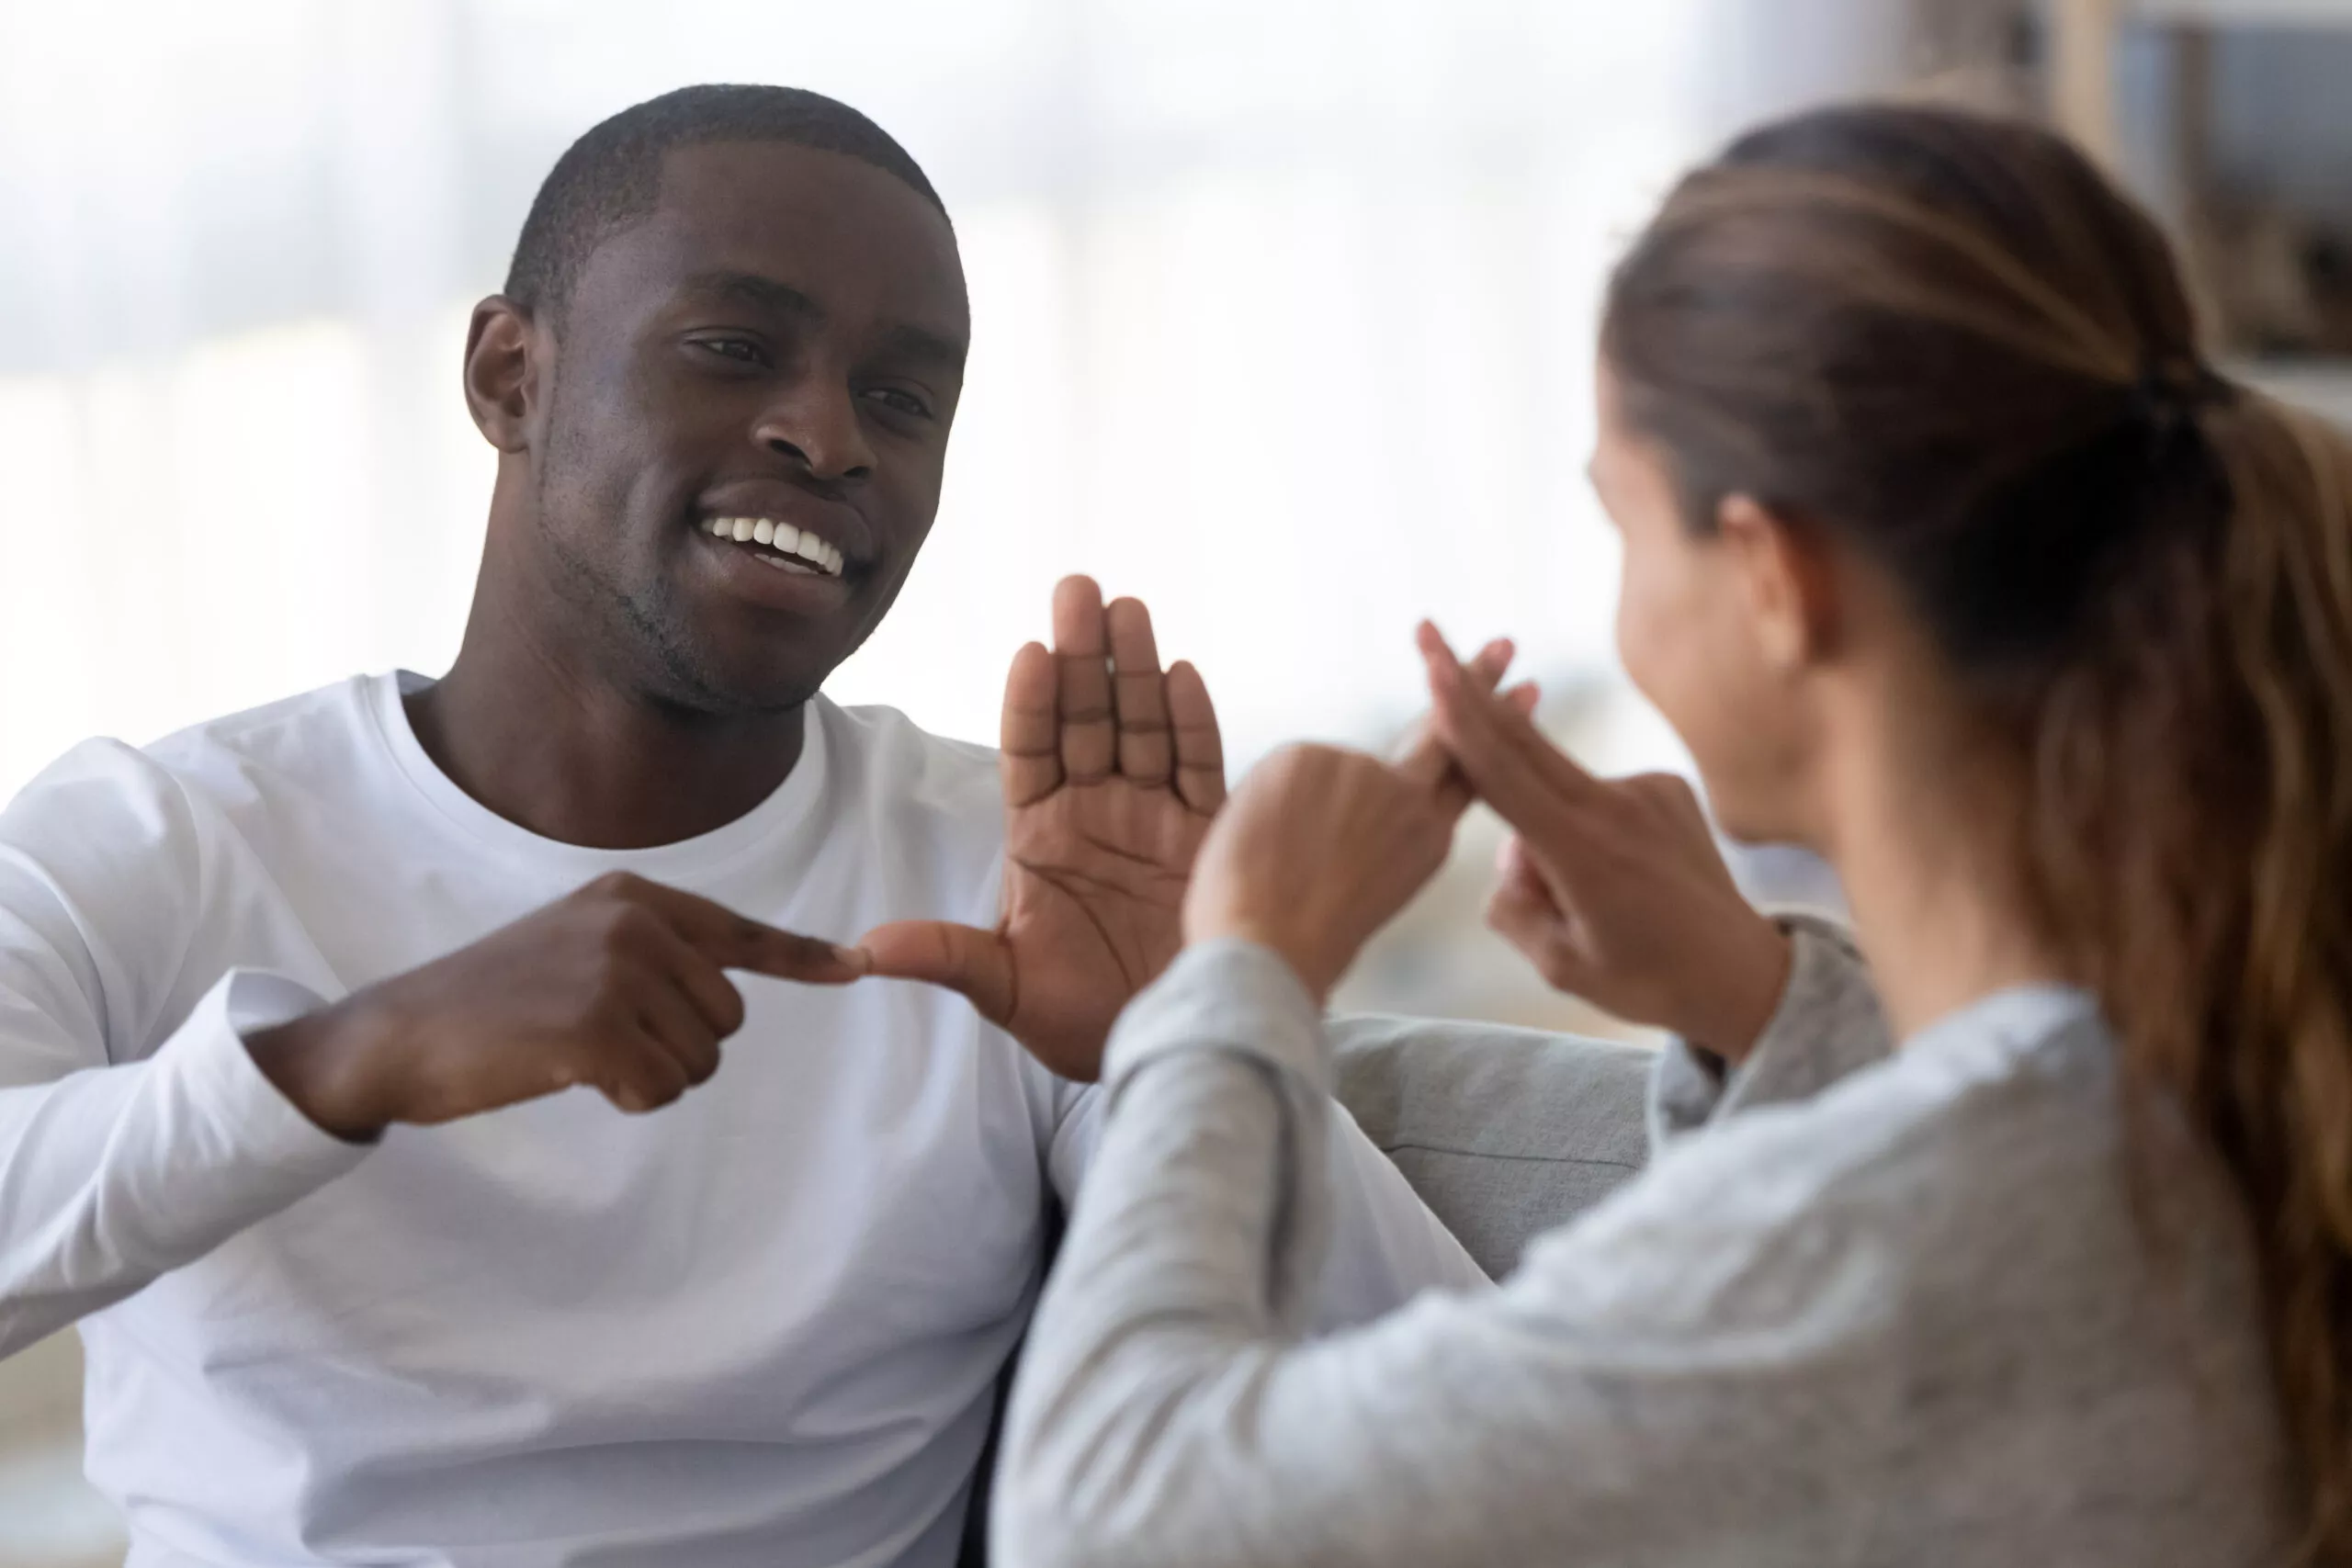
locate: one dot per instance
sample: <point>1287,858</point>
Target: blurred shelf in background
<point>2236,13</point>
<point>2320,384</point>
<point>2228,117</point>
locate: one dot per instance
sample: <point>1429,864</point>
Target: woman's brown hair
<point>1948,341</point>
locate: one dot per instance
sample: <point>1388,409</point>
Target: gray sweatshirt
<point>1863,1308</point>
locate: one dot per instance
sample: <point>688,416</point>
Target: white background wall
<point>1283,310</point>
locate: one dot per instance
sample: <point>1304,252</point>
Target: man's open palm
<point>1111,771</point>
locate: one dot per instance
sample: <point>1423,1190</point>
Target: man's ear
<point>504,350</point>
<point>1791,579</point>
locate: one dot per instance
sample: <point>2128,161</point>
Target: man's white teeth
<point>782,537</point>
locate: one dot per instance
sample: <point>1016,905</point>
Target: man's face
<point>778,345</point>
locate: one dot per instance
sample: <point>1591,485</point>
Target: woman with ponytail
<point>1949,555</point>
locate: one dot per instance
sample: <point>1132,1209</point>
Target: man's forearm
<point>112,1176</point>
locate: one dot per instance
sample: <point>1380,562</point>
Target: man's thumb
<point>965,959</point>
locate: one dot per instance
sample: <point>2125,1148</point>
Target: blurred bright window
<point>1283,315</point>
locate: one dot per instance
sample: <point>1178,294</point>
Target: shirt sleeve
<point>1169,1410</point>
<point>119,1163</point>
<point>1829,1023</point>
<point>1385,1245</point>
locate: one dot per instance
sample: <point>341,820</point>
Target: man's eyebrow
<point>922,344</point>
<point>766,293</point>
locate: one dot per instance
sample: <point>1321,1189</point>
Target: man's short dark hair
<point>613,174</point>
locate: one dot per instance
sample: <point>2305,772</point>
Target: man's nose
<point>817,426</point>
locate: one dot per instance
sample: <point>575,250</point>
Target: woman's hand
<point>1316,851</point>
<point>1320,847</point>
<point>1613,888</point>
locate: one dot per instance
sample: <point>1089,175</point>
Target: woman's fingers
<point>1521,909</point>
<point>1486,666</point>
<point>1528,781</point>
<point>1425,759</point>
<point>1453,789</point>
<point>1318,850</point>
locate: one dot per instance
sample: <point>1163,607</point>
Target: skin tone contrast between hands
<point>1120,847</point>
<point>719,358</point>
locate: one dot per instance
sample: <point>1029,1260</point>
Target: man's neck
<point>557,748</point>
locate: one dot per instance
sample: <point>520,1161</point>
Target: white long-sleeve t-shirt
<point>762,1325</point>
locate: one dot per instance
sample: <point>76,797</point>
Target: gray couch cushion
<point>1505,1133</point>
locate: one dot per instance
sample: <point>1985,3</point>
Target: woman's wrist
<point>1752,976</point>
<point>1285,940</point>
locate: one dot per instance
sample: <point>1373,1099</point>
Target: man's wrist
<point>318,1063</point>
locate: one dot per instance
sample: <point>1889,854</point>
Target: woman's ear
<point>1789,579</point>
<point>502,372</point>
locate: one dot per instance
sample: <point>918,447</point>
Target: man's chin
<point>729,657</point>
<point>752,696</point>
<point>720,683</point>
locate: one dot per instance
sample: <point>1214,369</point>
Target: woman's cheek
<point>1645,629</point>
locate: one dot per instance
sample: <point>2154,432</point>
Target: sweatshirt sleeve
<point>1384,1246</point>
<point>1169,1410</point>
<point>1828,1025</point>
<point>129,1144</point>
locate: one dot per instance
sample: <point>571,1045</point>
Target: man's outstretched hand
<point>1111,771</point>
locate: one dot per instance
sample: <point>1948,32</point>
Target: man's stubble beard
<point>640,638</point>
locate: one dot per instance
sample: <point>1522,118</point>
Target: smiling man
<point>314,1019</point>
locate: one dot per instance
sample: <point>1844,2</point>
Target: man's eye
<point>900,402</point>
<point>743,350</point>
